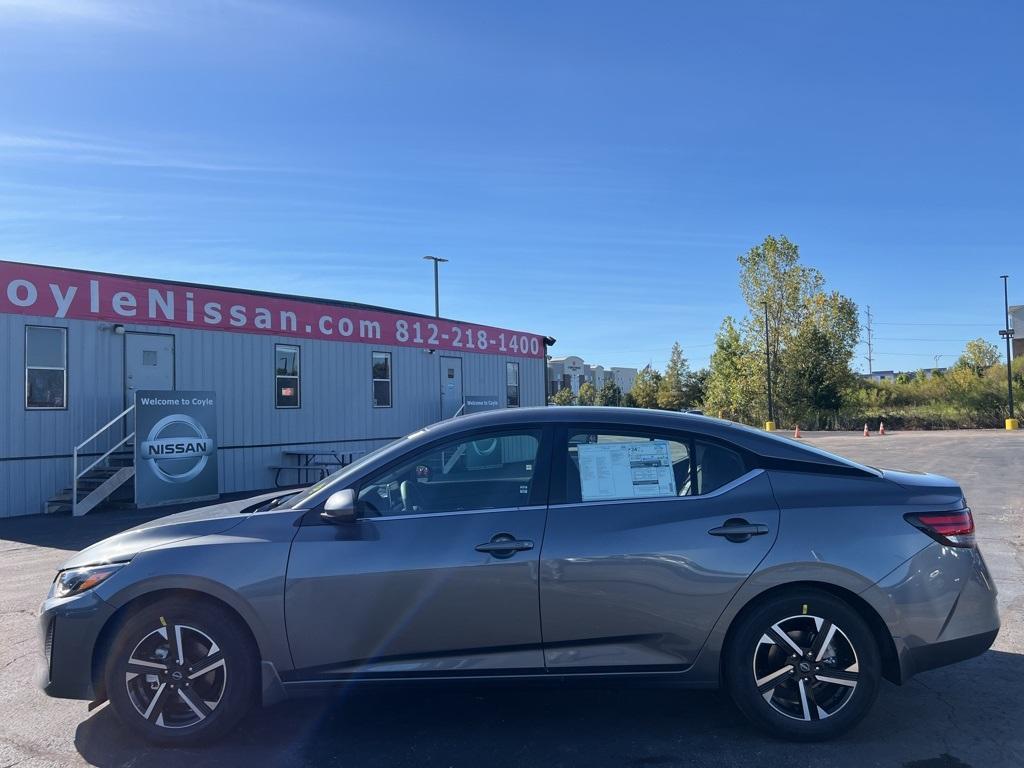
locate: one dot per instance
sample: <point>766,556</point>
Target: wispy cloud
<point>77,148</point>
<point>89,11</point>
<point>177,15</point>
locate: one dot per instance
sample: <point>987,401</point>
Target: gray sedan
<point>544,544</point>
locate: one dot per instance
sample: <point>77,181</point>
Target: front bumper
<point>940,606</point>
<point>69,628</point>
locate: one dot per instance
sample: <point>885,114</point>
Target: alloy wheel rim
<point>176,676</point>
<point>806,668</point>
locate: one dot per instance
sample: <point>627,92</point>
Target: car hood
<point>926,488</point>
<point>203,521</point>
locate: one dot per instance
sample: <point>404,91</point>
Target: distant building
<point>892,375</point>
<point>879,376</point>
<point>570,371</point>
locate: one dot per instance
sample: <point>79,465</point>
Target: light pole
<point>770,424</point>
<point>437,296</point>
<point>1007,333</point>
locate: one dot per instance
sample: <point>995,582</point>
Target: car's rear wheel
<point>803,665</point>
<point>181,672</point>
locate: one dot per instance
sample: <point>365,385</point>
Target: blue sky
<point>591,170</point>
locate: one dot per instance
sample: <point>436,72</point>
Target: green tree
<point>815,373</point>
<point>587,394</point>
<point>696,387</point>
<point>609,394</point>
<point>807,328</point>
<point>645,388</point>
<point>732,390</point>
<point>978,356</point>
<point>771,273</point>
<point>671,394</point>
<point>564,396</point>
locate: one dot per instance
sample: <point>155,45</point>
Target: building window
<point>286,376</point>
<point>511,385</point>
<point>381,372</point>
<point>46,367</point>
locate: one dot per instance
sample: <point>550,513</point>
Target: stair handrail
<point>74,454</point>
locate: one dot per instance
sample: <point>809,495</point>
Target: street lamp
<point>437,296</point>
<point>770,424</point>
<point>1007,333</point>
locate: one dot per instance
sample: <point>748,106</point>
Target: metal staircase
<point>106,478</point>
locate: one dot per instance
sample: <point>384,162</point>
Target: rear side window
<point>604,466</point>
<point>715,466</point>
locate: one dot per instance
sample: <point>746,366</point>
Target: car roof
<point>750,439</point>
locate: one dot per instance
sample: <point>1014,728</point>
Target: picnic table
<point>313,462</point>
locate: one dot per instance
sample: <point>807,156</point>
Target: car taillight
<point>954,529</point>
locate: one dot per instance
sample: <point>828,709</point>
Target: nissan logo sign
<point>177,448</point>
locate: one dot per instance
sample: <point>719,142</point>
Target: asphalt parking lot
<point>971,714</point>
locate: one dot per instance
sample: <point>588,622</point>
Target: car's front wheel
<point>180,672</point>
<point>803,665</point>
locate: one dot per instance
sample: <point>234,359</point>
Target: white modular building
<point>290,373</point>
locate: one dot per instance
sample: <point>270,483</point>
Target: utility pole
<point>770,424</point>
<point>437,295</point>
<point>1007,333</point>
<point>871,359</point>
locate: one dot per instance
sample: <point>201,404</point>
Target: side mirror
<point>340,507</point>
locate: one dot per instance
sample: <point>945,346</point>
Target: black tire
<point>803,704</point>
<point>189,706</point>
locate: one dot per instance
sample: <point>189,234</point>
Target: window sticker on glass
<point>625,470</point>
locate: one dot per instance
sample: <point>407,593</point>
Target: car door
<point>439,573</point>
<point>649,535</point>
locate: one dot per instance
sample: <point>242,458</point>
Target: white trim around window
<point>46,369</point>
<point>287,376</point>
<point>381,393</point>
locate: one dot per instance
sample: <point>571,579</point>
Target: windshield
<point>299,500</point>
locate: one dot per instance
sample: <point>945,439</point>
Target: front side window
<point>511,385</point>
<point>603,466</point>
<point>493,471</point>
<point>46,367</point>
<point>286,376</point>
<point>381,373</point>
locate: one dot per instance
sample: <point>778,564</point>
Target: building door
<point>148,363</point>
<point>451,386</point>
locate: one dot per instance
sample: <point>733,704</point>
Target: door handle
<point>504,545</point>
<point>737,529</point>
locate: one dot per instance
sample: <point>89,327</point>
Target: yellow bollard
<point>1012,424</point>
<point>769,426</point>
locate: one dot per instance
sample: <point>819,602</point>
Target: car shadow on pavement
<point>423,726</point>
<point>965,715</point>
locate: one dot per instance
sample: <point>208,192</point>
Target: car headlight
<point>74,581</point>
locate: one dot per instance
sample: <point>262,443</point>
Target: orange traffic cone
<point>881,428</point>
<point>796,432</point>
<point>866,433</point>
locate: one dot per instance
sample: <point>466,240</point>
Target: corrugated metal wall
<point>336,391</point>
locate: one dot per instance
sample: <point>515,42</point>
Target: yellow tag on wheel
<point>163,621</point>
<point>805,610</point>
